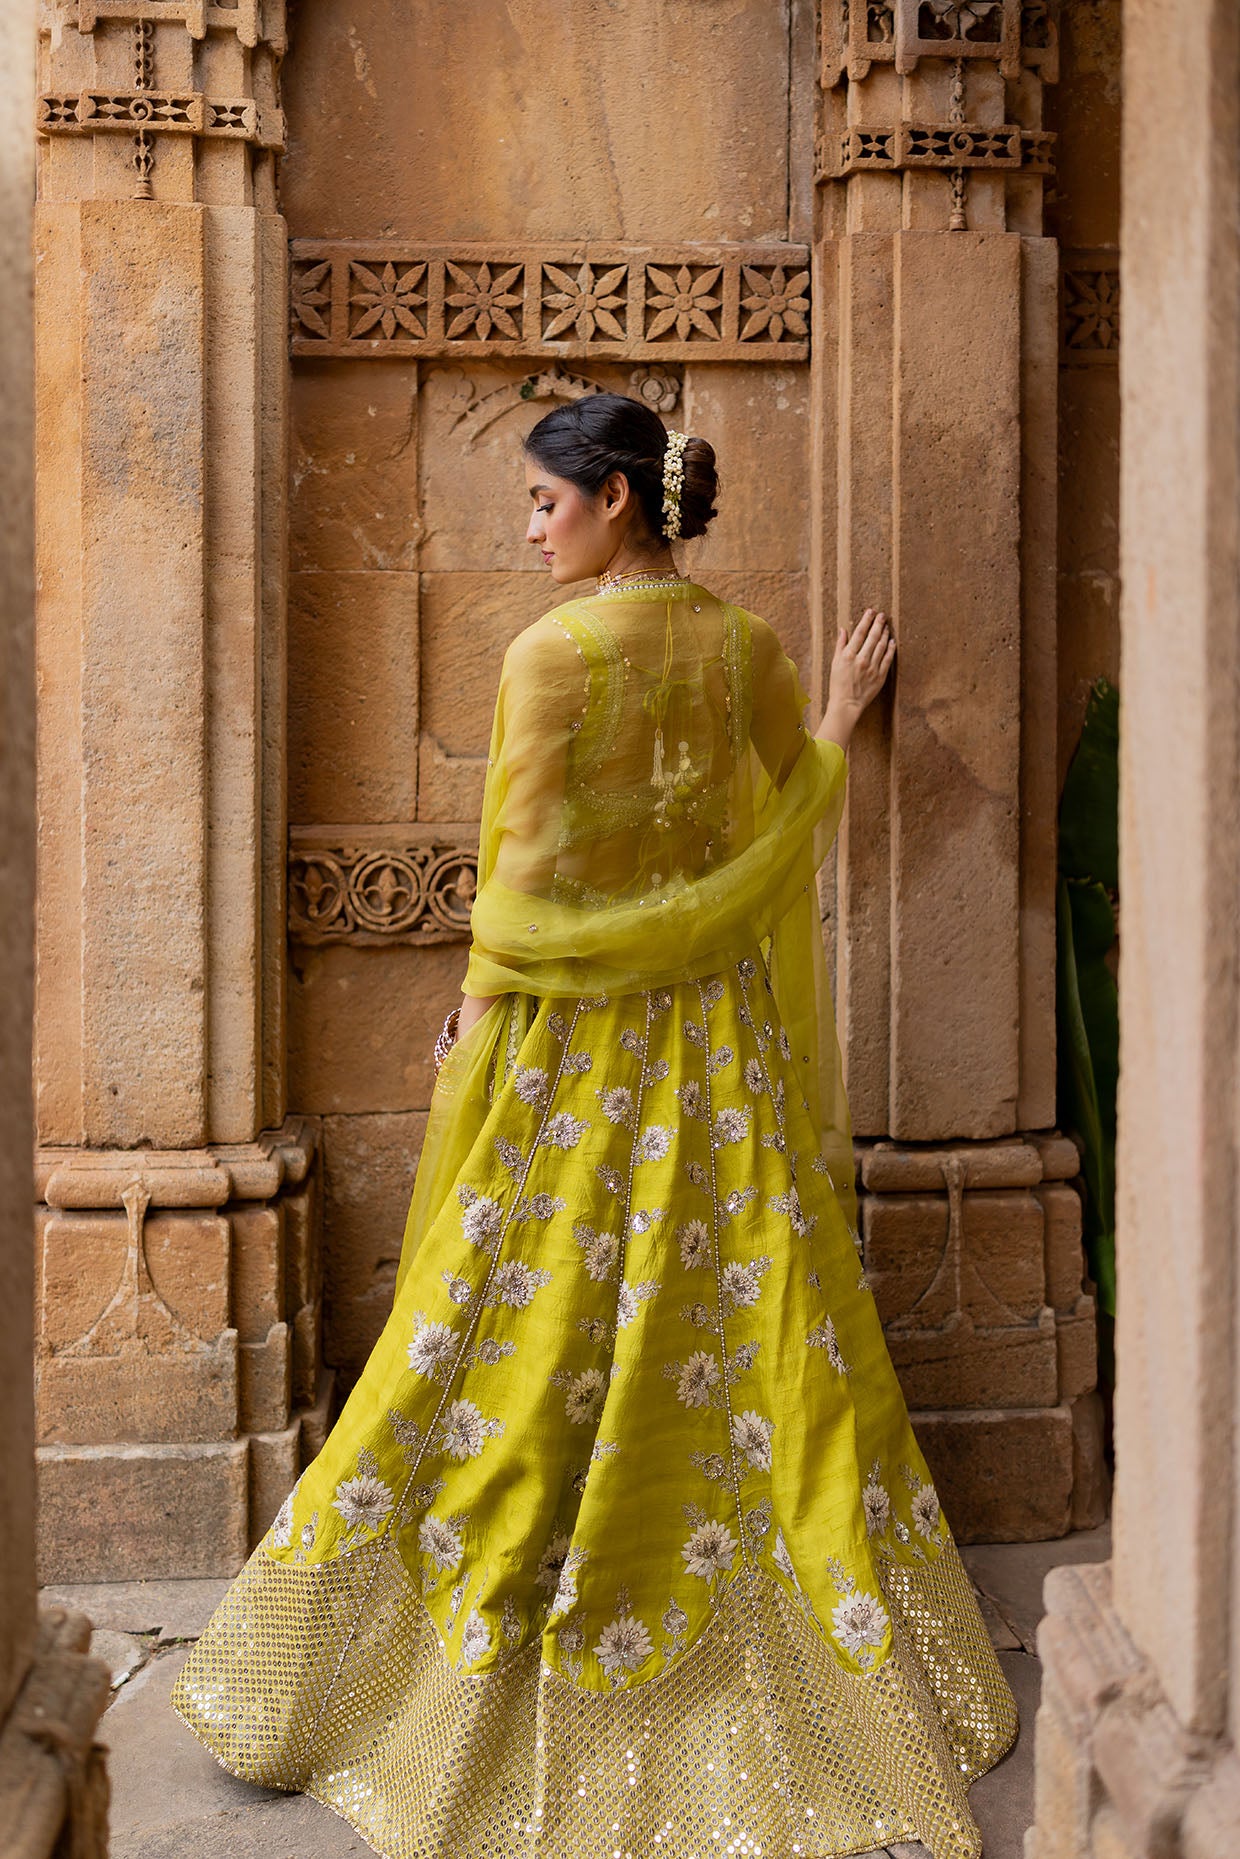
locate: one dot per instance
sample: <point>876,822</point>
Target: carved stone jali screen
<point>814,235</point>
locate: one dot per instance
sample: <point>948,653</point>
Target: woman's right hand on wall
<point>859,668</point>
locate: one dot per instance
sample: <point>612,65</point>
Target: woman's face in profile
<point>576,534</point>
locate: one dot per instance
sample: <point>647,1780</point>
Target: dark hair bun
<point>700,490</point>
<point>587,439</point>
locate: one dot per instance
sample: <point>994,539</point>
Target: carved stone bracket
<point>662,304</point>
<point>1011,33</point>
<point>256,1171</point>
<point>251,20</point>
<point>893,147</point>
<point>91,112</point>
<point>381,884</point>
<point>1089,308</point>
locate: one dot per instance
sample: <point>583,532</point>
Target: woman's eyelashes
<point>542,509</point>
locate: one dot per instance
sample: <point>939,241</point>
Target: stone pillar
<point>177,1341</point>
<point>53,1787</point>
<point>1140,1714</point>
<point>935,356</point>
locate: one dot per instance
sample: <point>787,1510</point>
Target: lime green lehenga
<point>623,1544</point>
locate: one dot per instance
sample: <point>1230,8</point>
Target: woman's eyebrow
<point>538,490</point>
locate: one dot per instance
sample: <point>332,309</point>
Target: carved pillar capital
<point>166,100</point>
<point>946,95</point>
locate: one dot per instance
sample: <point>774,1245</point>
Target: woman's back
<point>642,733</point>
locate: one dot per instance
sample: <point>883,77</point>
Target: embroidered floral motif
<point>539,1207</point>
<point>736,1203</point>
<point>644,1219</point>
<point>407,1434</point>
<point>433,1347</point>
<point>481,1220</point>
<point>675,1624</point>
<point>459,1289</point>
<point>551,1562</point>
<point>490,1351</point>
<point>463,1430</point>
<point>695,1244</point>
<point>563,1131</point>
<point>755,1077</point>
<point>440,1541</point>
<point>282,1527</point>
<point>751,1436</point>
<point>653,1143</point>
<point>876,1503</point>
<point>709,1551</point>
<point>720,1060</point>
<point>697,1380</point>
<point>742,1284</point>
<point>925,1511</point>
<point>861,1623</point>
<point>578,1062</point>
<point>584,1394</point>
<point>509,1154</point>
<point>710,1464</point>
<point>601,1251</point>
<point>824,1338</point>
<point>475,1639</point>
<point>515,1283</point>
<point>790,1204</point>
<point>617,1104</point>
<point>731,1125</point>
<point>611,1178</point>
<point>530,1084</point>
<point>631,1298</point>
<point>656,1072</point>
<point>623,1646</point>
<point>364,1501</point>
<point>510,1622</point>
<point>692,1100</point>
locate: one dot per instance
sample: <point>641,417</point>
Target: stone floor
<point>170,1800</point>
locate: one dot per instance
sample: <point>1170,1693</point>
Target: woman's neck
<point>633,559</point>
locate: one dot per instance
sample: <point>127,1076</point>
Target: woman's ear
<point>617,494</point>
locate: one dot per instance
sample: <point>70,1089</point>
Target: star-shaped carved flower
<point>311,296</point>
<point>1092,309</point>
<point>682,302</point>
<point>387,300</point>
<point>585,303</point>
<point>483,302</point>
<point>777,303</point>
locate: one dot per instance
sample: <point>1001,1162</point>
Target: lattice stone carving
<point>381,884</point>
<point>857,34</point>
<point>665,304</point>
<point>896,146</point>
<point>185,112</point>
<point>1089,304</point>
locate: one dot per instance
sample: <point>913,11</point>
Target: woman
<point>623,1544</point>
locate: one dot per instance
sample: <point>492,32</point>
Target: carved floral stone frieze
<point>892,147</point>
<point>660,305</point>
<point>381,884</point>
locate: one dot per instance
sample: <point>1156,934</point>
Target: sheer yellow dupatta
<point>654,810</point>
